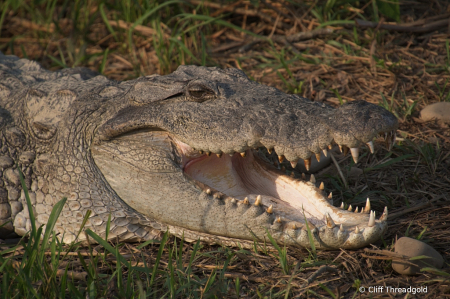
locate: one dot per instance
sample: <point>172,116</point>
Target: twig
<point>338,169</point>
<point>319,272</point>
<point>404,28</point>
<point>415,208</point>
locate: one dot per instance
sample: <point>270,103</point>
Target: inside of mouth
<point>247,177</point>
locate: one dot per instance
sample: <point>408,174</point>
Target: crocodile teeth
<point>385,214</point>
<point>208,153</point>
<point>330,147</point>
<point>322,186</point>
<point>278,219</point>
<point>340,148</point>
<point>246,201</point>
<point>318,157</point>
<point>371,147</point>
<point>330,222</point>
<point>219,155</point>
<point>371,219</point>
<point>303,176</point>
<point>208,191</point>
<point>308,164</point>
<point>201,152</point>
<point>270,150</point>
<point>233,200</point>
<point>367,208</point>
<point>330,196</point>
<point>281,158</point>
<point>325,152</point>
<point>341,228</point>
<point>350,208</point>
<point>293,174</point>
<point>312,179</point>
<point>270,209</point>
<point>390,140</point>
<point>243,154</point>
<point>342,205</point>
<point>345,148</point>
<point>355,153</point>
<point>258,200</point>
<point>216,195</point>
<point>294,163</point>
<point>356,230</point>
<point>356,210</point>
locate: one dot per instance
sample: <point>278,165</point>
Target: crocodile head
<point>186,151</point>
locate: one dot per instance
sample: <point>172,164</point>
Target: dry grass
<point>404,71</point>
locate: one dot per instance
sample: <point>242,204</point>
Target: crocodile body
<point>176,152</point>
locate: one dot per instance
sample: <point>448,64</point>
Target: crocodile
<point>182,153</point>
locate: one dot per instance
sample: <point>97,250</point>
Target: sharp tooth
<point>367,208</point>
<point>356,210</point>
<point>233,200</point>
<point>208,191</point>
<point>293,174</point>
<point>318,157</point>
<point>342,205</point>
<point>246,201</point>
<point>294,226</point>
<point>243,154</point>
<point>371,219</point>
<point>308,164</point>
<point>270,150</point>
<point>362,211</point>
<point>208,154</point>
<point>350,208</point>
<point>219,155</point>
<point>341,228</point>
<point>322,186</point>
<point>330,222</point>
<point>200,152</point>
<point>330,196</point>
<point>294,163</point>
<point>325,152</point>
<point>258,200</point>
<point>356,230</point>
<point>217,195</point>
<point>330,147</point>
<point>371,147</point>
<point>345,148</point>
<point>340,148</point>
<point>312,179</point>
<point>303,176</point>
<point>278,219</point>
<point>231,155</point>
<point>281,158</point>
<point>384,217</point>
<point>270,209</point>
<point>355,153</point>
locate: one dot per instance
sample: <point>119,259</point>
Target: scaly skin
<point>139,151</point>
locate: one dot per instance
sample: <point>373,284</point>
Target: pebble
<point>411,248</point>
<point>439,111</point>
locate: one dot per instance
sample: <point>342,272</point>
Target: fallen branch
<point>433,26</point>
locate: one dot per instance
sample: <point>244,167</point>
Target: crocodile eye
<point>200,93</point>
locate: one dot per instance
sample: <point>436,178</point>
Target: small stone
<point>411,247</point>
<point>6,162</point>
<point>439,111</point>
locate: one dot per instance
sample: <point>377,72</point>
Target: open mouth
<point>244,181</point>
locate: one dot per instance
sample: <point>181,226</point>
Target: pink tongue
<point>218,173</point>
